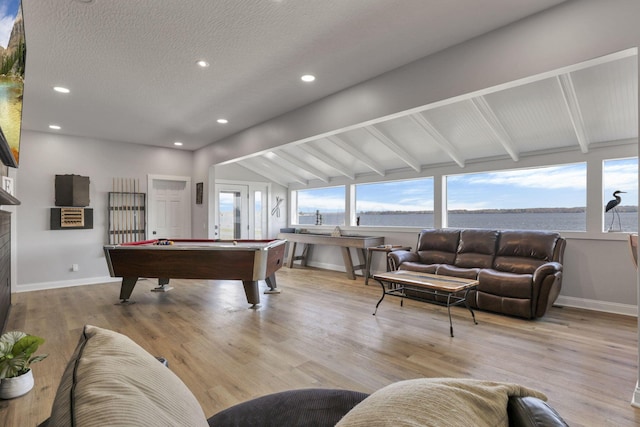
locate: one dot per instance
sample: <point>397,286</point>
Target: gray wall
<point>44,257</point>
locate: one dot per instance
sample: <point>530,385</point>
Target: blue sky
<point>8,12</point>
<point>554,186</point>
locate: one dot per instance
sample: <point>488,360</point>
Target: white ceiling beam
<point>332,163</point>
<point>439,139</point>
<point>288,158</point>
<point>495,125</point>
<point>264,166</point>
<point>575,114</point>
<point>400,152</point>
<point>370,163</point>
<point>247,164</point>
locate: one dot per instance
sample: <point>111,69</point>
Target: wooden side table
<point>383,248</point>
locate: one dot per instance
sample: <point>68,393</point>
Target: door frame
<point>151,213</point>
<point>251,186</point>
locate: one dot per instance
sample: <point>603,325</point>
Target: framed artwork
<point>12,61</point>
<point>199,189</point>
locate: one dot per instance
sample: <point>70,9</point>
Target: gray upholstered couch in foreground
<point>519,271</point>
<point>111,381</point>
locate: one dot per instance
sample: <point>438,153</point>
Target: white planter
<point>17,386</point>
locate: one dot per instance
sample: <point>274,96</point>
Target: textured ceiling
<point>130,64</point>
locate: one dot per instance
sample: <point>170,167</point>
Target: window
<point>621,175</point>
<point>546,198</point>
<point>321,206</point>
<point>407,203</point>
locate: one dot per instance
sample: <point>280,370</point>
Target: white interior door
<point>169,207</point>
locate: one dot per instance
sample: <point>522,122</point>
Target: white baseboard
<point>64,284</point>
<point>605,306</point>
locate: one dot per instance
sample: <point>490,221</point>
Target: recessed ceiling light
<point>54,127</point>
<point>223,121</point>
<point>61,89</point>
<point>202,63</point>
<point>177,143</point>
<point>308,78</point>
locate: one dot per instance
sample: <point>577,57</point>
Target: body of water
<point>557,221</point>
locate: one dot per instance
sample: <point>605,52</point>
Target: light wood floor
<point>319,332</point>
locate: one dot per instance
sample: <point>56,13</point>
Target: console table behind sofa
<point>359,243</point>
<point>519,271</point>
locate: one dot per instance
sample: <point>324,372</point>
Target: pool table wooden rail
<point>218,262</point>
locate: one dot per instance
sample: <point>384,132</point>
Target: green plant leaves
<point>16,349</point>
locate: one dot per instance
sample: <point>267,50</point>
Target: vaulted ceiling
<point>591,104</point>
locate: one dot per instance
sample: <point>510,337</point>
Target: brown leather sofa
<point>519,271</point>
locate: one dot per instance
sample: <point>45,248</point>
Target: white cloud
<point>549,178</point>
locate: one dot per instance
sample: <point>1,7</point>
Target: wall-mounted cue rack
<point>127,211</point>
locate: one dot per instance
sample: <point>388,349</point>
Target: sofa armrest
<point>399,257</point>
<point>532,412</point>
<point>547,269</point>
<point>547,282</point>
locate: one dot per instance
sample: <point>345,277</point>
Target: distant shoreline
<point>489,211</point>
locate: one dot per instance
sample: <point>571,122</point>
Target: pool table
<point>246,260</point>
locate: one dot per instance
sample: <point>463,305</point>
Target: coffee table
<point>395,283</point>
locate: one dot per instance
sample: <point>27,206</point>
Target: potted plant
<point>16,349</point>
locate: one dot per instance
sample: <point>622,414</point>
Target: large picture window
<point>620,175</point>
<point>406,203</point>
<point>321,206</point>
<point>546,198</point>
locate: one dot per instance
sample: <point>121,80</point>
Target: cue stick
<point>117,211</point>
<point>120,210</point>
<point>129,211</point>
<point>132,213</point>
<point>140,220</point>
<point>113,184</point>
<point>126,206</point>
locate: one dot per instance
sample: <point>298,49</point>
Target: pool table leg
<point>128,283</point>
<point>273,287</point>
<point>252,292</point>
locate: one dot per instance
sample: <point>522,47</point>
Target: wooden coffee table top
<point>427,280</point>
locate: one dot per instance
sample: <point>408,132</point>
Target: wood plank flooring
<point>320,332</point>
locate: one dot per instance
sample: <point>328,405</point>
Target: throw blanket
<point>437,402</point>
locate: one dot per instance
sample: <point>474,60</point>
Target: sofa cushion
<point>437,402</point>
<point>418,266</point>
<point>524,251</point>
<point>505,284</point>
<point>476,248</point>
<point>452,270</point>
<point>438,246</point>
<point>111,380</point>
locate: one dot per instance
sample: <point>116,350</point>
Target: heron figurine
<point>612,206</point>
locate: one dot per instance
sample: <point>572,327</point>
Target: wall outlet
<point>74,267</point>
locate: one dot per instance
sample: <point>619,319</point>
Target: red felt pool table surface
<point>247,260</point>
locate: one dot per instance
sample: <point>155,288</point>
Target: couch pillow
<point>437,402</point>
<point>111,380</point>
